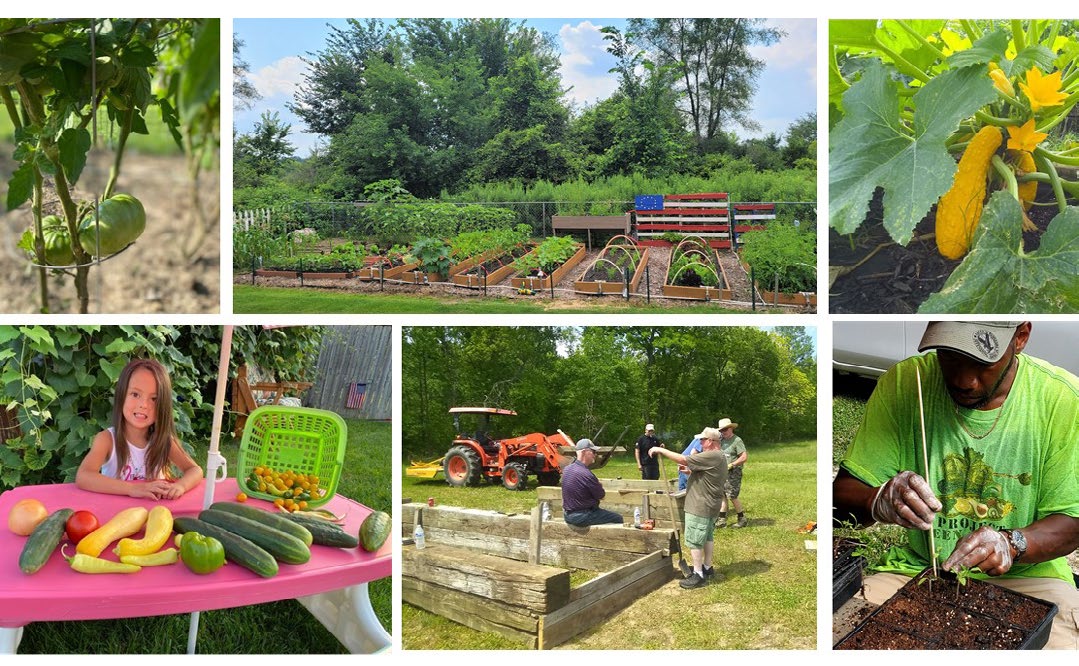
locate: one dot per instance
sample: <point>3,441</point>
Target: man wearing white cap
<point>647,465</point>
<point>735,449</point>
<point>1001,440</point>
<point>582,491</point>
<point>704,493</point>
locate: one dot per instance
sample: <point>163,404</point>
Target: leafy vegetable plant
<point>907,97</point>
<point>549,255</point>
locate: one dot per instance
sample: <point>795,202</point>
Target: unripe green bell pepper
<point>201,554</point>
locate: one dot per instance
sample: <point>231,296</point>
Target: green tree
<point>717,72</point>
<point>244,94</point>
<point>266,148</point>
<point>801,140</point>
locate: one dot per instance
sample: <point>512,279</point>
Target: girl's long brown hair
<point>162,433</point>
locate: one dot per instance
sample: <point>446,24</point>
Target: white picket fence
<point>259,217</point>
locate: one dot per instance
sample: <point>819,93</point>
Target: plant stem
<point>114,172</point>
<point>1018,36</point>
<point>12,108</point>
<point>39,241</point>
<point>918,36</point>
<point>902,63</point>
<point>971,28</point>
<point>1007,174</point>
<point>993,120</point>
<point>1046,165</point>
<point>1070,160</point>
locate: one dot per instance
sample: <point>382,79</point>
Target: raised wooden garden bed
<point>946,616</point>
<point>625,495</point>
<point>704,292</point>
<point>612,255</point>
<point>474,279</point>
<point>548,281</point>
<point>372,272</point>
<point>269,272</point>
<point>306,275</point>
<point>510,574</point>
<point>805,298</point>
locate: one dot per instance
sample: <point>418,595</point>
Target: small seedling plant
<point>908,97</point>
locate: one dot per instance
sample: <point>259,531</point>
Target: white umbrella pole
<point>214,459</point>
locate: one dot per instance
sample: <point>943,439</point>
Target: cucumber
<point>237,549</point>
<point>285,547</point>
<point>43,540</point>
<point>374,531</point>
<point>325,533</point>
<point>268,519</point>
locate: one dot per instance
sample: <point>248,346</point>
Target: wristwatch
<point>1018,542</point>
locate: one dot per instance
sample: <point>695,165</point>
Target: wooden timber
<point>601,598</point>
<point>538,588</point>
<point>653,504</point>
<point>477,613</point>
<point>372,272</point>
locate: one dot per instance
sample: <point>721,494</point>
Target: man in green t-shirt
<point>735,449</point>
<point>1000,428</point>
<point>704,492</point>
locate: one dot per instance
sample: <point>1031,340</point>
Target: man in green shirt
<point>704,492</point>
<point>735,449</point>
<point>1003,459</point>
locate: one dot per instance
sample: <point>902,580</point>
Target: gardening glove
<point>906,500</point>
<point>984,548</point>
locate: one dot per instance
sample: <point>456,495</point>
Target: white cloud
<point>582,47</point>
<point>796,51</point>
<point>280,78</point>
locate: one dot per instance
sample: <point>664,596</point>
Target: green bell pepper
<point>201,554</point>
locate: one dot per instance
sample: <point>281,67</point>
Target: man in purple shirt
<point>582,491</point>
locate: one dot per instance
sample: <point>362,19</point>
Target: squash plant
<point>548,255</point>
<point>908,97</point>
<point>62,78</point>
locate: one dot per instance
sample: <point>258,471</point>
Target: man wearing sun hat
<point>735,449</point>
<point>647,465</point>
<point>704,493</point>
<point>1001,438</point>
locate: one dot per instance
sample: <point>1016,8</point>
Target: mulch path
<point>897,279</point>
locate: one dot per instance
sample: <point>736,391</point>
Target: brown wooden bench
<point>590,223</point>
<point>245,401</point>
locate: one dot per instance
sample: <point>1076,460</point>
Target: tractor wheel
<point>461,467</point>
<point>548,478</point>
<point>515,476</point>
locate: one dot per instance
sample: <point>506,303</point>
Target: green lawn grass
<point>282,627</point>
<point>247,299</point>
<point>766,601</point>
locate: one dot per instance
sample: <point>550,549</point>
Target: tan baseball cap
<point>983,341</point>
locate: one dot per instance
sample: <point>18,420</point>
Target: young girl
<point>133,456</point>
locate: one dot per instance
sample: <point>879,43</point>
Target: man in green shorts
<point>704,492</point>
<point>735,449</point>
<point>1003,454</point>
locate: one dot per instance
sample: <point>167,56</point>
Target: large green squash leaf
<point>998,277</point>
<point>871,147</point>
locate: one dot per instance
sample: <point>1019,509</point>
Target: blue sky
<point>273,47</point>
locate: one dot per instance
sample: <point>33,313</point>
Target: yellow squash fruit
<point>1029,189</point>
<point>960,208</point>
<point>123,524</point>
<point>158,531</point>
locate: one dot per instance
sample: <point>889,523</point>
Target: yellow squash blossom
<point>1043,90</point>
<point>1024,138</point>
<point>1000,80</point>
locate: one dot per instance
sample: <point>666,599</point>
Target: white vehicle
<point>869,348</point>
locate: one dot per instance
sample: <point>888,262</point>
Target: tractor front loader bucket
<point>424,470</point>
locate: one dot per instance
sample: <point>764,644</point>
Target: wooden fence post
<point>535,535</point>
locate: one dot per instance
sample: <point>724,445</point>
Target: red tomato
<point>79,525</point>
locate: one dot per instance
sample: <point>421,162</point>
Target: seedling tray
<point>984,616</point>
<point>846,574</point>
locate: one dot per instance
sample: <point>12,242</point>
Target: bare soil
<point>894,279</point>
<point>651,285</point>
<point>151,276</point>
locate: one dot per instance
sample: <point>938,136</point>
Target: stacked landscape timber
<point>476,570</point>
<point>622,499</point>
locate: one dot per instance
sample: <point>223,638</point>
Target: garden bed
<point>942,615</point>
<point>692,265</point>
<point>376,272</point>
<point>552,278</point>
<point>607,274</point>
<point>625,495</point>
<point>803,298</point>
<point>510,574</point>
<point>496,269</point>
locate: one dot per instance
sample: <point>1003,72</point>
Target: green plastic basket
<point>301,439</point>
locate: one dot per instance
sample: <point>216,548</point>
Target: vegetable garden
<point>485,251</point>
<point>82,99</point>
<point>952,177</point>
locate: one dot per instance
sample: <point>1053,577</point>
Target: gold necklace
<point>970,432</point>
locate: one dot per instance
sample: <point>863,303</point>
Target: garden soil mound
<point>151,276</point>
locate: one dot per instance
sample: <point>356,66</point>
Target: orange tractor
<point>475,455</point>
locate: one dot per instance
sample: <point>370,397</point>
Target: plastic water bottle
<point>546,511</point>
<point>636,516</point>
<point>417,537</point>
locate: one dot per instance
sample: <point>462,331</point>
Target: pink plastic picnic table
<point>56,592</point>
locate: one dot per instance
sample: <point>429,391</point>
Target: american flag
<point>356,393</point>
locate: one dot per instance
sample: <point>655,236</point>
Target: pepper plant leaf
<point>998,277</point>
<point>872,147</point>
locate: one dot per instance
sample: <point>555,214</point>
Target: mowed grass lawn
<point>247,299</point>
<point>282,627</point>
<point>766,601</point>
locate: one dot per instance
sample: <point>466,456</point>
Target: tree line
<point>608,380</point>
<point>442,105</point>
